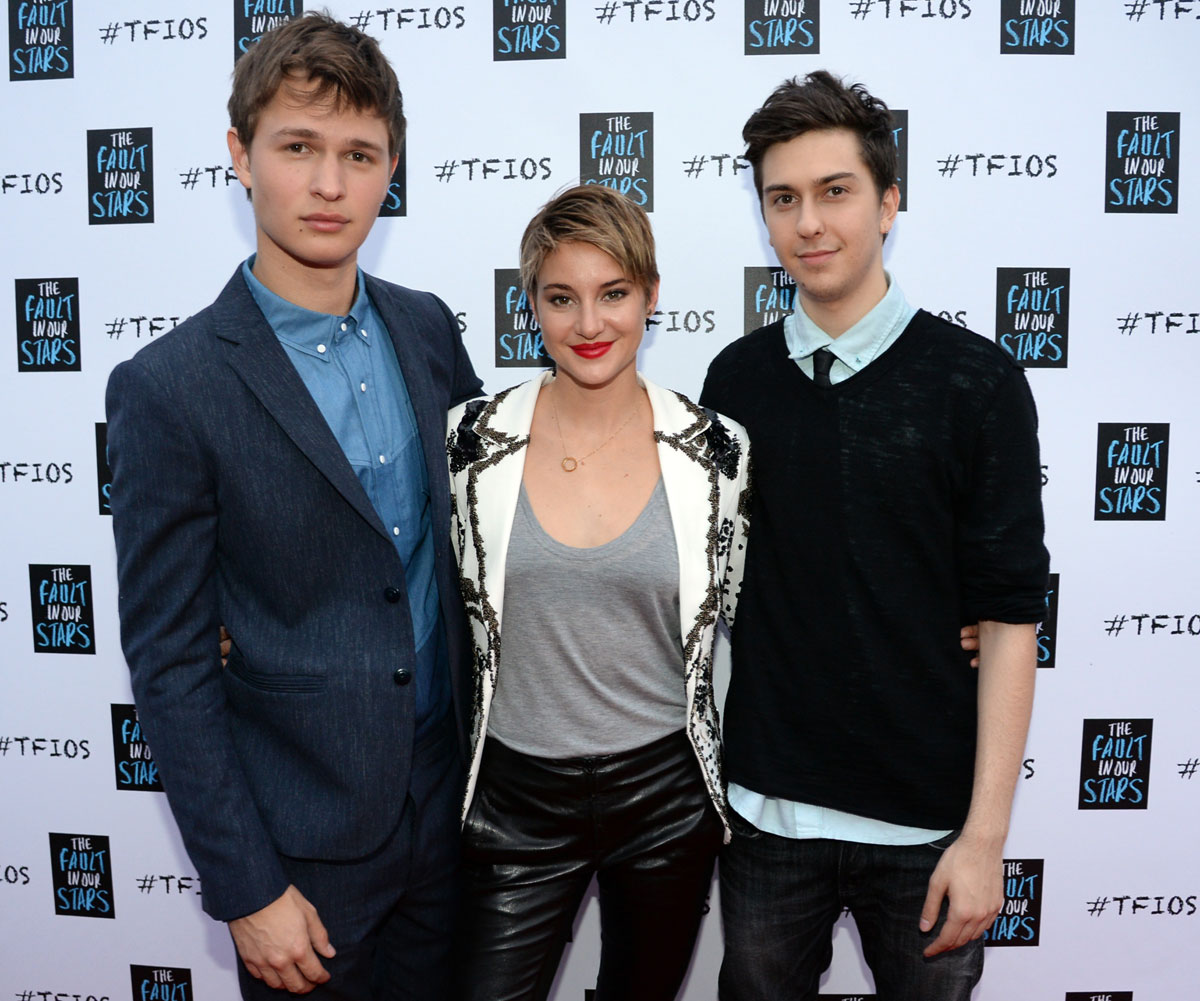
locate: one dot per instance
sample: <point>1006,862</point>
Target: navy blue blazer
<point>233,503</point>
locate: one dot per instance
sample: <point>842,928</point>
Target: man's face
<point>318,176</point>
<point>826,222</point>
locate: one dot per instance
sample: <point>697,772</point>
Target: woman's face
<point>591,313</point>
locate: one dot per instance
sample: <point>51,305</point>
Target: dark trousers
<point>780,898</point>
<point>391,916</point>
<point>539,829</point>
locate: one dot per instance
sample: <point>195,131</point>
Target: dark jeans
<point>390,916</point>
<point>537,831</point>
<point>780,898</point>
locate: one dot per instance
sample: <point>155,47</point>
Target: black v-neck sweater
<point>887,511</point>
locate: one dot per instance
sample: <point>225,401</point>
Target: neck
<point>598,406</point>
<point>835,318</point>
<point>323,290</point>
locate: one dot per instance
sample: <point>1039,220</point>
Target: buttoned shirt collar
<point>862,343</point>
<point>307,330</point>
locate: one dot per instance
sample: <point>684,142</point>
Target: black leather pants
<point>539,829</point>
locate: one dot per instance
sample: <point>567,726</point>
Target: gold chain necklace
<point>569,462</point>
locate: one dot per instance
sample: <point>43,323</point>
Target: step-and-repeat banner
<point>1049,155</point>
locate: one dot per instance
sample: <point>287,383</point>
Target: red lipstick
<point>592,349</point>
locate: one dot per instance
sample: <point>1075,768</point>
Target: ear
<point>652,298</point>
<point>888,207</point>
<point>240,156</point>
<point>387,181</point>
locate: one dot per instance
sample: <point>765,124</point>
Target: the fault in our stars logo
<point>1047,630</point>
<point>782,27</point>
<point>120,176</point>
<point>60,599</point>
<point>47,324</point>
<point>617,150</point>
<point>135,765</point>
<point>900,137</point>
<point>1019,922</point>
<point>1032,313</point>
<point>254,18</point>
<point>770,294</point>
<point>518,337</point>
<point>41,39</point>
<point>395,203</point>
<point>1115,769</point>
<point>1099,996</point>
<point>1037,27</point>
<point>529,29</point>
<point>161,983</point>
<point>103,473</point>
<point>1131,472</point>
<point>81,874</point>
<point>1142,162</point>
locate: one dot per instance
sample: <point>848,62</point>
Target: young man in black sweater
<point>897,496</point>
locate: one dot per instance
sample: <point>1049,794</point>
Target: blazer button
<point>402,676</point>
<point>392,594</point>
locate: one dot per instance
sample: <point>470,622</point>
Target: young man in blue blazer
<point>304,504</point>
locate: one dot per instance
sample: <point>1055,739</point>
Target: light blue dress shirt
<point>349,365</point>
<point>853,351</point>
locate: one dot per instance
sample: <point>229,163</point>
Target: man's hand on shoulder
<point>280,943</point>
<point>970,874</point>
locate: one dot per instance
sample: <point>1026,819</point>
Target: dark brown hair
<point>346,65</point>
<point>822,101</point>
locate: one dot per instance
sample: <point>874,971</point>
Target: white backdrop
<point>1010,155</point>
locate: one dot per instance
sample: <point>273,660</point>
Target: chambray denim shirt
<point>349,365</point>
<point>853,351</point>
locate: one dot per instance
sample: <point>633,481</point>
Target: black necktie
<point>822,363</point>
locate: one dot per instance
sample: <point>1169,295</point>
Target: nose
<point>589,321</point>
<point>328,181</point>
<point>809,222</point>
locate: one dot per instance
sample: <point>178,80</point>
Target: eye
<point>560,300</point>
<point>358,156</point>
<point>837,191</point>
<point>297,147</point>
<point>616,294</point>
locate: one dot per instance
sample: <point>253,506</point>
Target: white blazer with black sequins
<point>705,462</point>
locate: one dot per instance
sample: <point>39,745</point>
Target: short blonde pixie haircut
<point>593,214</point>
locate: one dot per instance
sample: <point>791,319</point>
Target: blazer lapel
<point>689,496</point>
<point>498,483</point>
<point>262,364</point>
<point>430,414</point>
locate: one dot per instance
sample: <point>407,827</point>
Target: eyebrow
<point>841,175</point>
<point>571,288</point>
<point>302,133</point>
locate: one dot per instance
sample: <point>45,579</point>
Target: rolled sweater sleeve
<point>1003,563</point>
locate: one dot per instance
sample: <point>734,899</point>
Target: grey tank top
<point>591,657</point>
